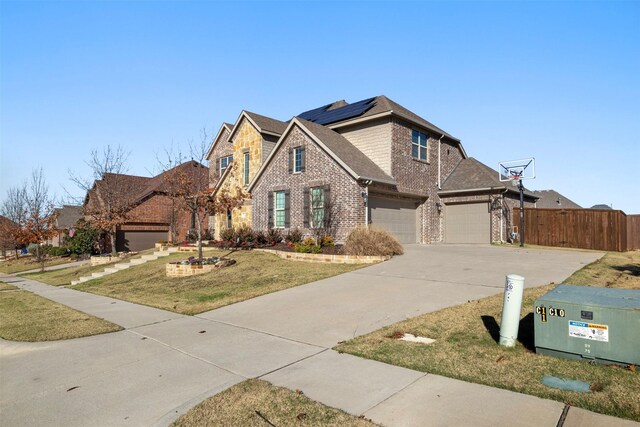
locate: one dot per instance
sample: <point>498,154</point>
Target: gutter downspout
<point>502,216</point>
<point>440,185</point>
<point>439,166</point>
<point>365,197</point>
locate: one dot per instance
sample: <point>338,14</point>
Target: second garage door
<point>395,216</point>
<point>468,223</point>
<point>138,240</point>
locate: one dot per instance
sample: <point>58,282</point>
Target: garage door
<point>468,223</point>
<point>138,240</point>
<point>395,216</point>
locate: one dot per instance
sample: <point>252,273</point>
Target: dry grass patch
<point>26,263</point>
<point>258,403</point>
<point>28,317</point>
<point>372,241</point>
<point>6,287</point>
<point>255,273</point>
<point>615,269</point>
<point>466,347</point>
<point>64,276</point>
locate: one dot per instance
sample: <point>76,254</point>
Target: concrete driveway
<point>424,279</point>
<point>165,363</point>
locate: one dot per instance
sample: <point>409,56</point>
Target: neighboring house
<point>601,206</point>
<point>370,162</point>
<point>248,142</point>
<point>551,199</point>
<point>66,217</point>
<point>152,215</point>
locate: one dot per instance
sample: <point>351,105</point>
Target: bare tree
<point>323,215</point>
<point>189,186</point>
<point>31,208</point>
<point>111,193</point>
<point>14,212</point>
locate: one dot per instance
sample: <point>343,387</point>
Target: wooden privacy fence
<point>606,230</point>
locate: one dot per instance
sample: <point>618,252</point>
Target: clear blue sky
<point>559,81</point>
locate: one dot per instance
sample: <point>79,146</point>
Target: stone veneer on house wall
<point>320,170</point>
<point>245,139</point>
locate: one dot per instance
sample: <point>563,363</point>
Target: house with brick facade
<point>375,162</point>
<point>152,214</point>
<point>248,142</point>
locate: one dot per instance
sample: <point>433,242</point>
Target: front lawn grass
<point>466,347</point>
<point>26,263</point>
<point>25,316</point>
<point>6,287</point>
<point>255,273</point>
<point>64,276</point>
<point>258,403</point>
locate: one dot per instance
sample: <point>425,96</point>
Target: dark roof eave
<point>378,180</point>
<point>485,189</point>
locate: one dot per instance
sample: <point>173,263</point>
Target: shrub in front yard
<point>243,233</point>
<point>371,241</point>
<point>226,234</point>
<point>274,235</point>
<point>294,236</point>
<point>308,246</point>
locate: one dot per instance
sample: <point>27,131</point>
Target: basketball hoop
<point>515,171</point>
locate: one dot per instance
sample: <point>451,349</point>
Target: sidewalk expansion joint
<point>208,362</point>
<point>293,363</point>
<point>563,416</point>
<point>396,393</point>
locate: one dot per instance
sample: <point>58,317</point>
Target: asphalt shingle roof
<point>551,199</point>
<point>267,124</point>
<point>471,174</point>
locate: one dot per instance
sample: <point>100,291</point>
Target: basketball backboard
<point>515,170</point>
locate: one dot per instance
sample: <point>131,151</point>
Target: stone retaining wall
<point>180,270</point>
<point>334,259</point>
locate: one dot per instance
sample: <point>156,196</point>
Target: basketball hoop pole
<point>521,187</point>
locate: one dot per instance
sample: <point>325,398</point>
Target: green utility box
<point>581,322</point>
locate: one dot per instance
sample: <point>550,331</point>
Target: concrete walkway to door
<point>165,363</point>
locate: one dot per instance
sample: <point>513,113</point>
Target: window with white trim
<point>246,168</point>
<point>317,207</point>
<point>279,209</point>
<point>419,145</point>
<point>224,163</point>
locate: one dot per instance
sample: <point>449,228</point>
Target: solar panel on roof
<point>311,115</point>
<point>324,117</point>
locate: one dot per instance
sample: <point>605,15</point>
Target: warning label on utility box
<point>588,331</point>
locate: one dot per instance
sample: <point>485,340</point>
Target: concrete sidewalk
<point>165,363</point>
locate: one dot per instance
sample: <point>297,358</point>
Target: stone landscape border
<point>327,258</point>
<point>181,270</point>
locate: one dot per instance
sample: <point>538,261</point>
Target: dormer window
<point>419,145</point>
